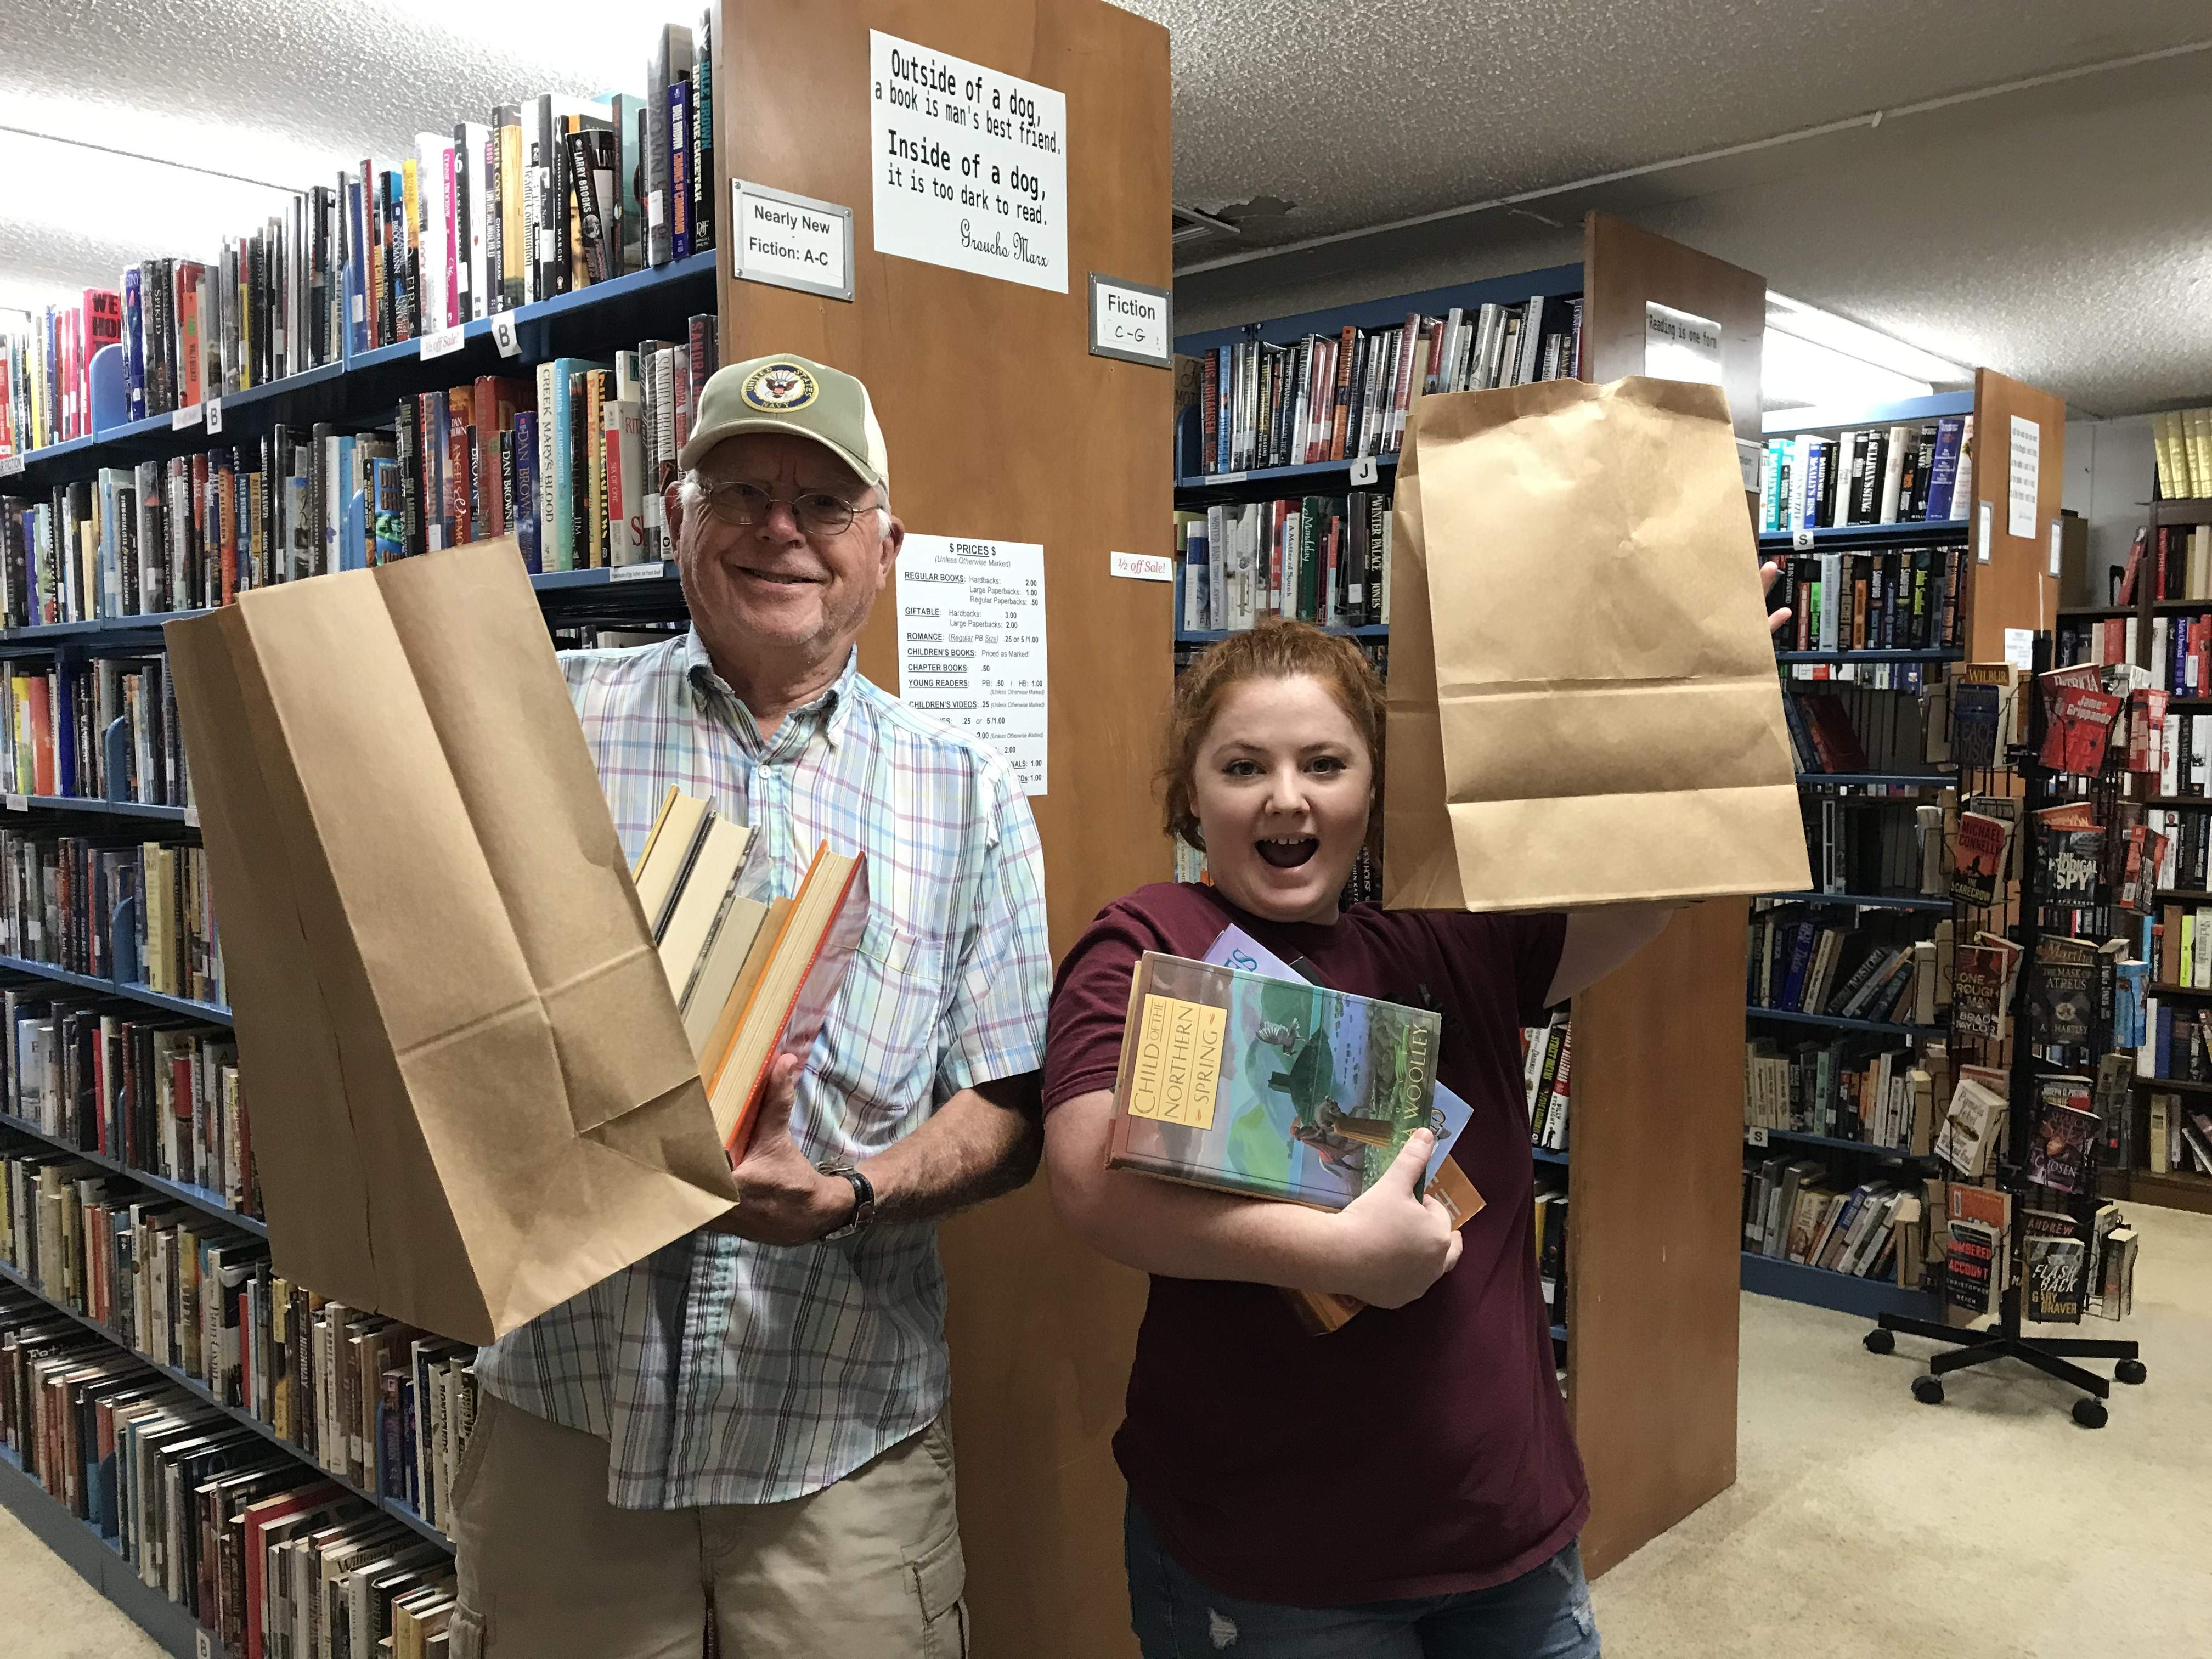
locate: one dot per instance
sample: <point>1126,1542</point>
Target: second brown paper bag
<point>470,1094</point>
<point>1583,707</point>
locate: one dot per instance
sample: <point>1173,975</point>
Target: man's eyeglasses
<point>816,512</point>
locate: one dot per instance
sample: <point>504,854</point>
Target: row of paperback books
<point>1839,727</point>
<point>1860,847</point>
<point>2176,559</point>
<point>135,1088</point>
<point>1335,397</point>
<point>2183,441</point>
<point>574,466</point>
<point>2180,1137</point>
<point>191,1292</point>
<point>263,1551</point>
<point>545,198</point>
<point>1323,559</point>
<point>1851,1089</point>
<point>136,911</point>
<point>1811,959</point>
<point>1871,1231</point>
<point>104,729</point>
<point>1894,474</point>
<point>2180,659</point>
<point>1551,1230</point>
<point>1905,600</point>
<point>1547,1053</point>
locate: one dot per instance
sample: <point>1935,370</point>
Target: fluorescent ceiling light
<point>1839,334</point>
<point>1794,374</point>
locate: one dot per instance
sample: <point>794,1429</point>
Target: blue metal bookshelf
<point>366,387</point>
<point>1912,533</point>
<point>99,1561</point>
<point>1865,901</point>
<point>1800,1138</point>
<point>214,1012</point>
<point>1752,1011</point>
<point>200,1198</point>
<point>1895,780</point>
<point>1823,1287</point>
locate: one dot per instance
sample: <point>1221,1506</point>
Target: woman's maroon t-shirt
<point>1419,1451</point>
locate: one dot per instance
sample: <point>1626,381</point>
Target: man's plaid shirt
<point>724,1371</point>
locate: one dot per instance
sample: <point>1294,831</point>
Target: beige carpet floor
<point>1990,1526</point>
<point>1862,1523</point>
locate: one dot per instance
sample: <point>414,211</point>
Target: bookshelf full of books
<point>502,331</point>
<point>1855,993</point>
<point>2154,638</point>
<point>1287,436</point>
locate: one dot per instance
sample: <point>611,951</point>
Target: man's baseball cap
<point>790,393</point>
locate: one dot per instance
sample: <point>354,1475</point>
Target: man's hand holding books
<point>782,1199</point>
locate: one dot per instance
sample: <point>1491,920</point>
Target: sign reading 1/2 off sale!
<point>970,165</point>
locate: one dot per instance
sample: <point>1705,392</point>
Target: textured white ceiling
<point>1365,113</point>
<point>2062,233</point>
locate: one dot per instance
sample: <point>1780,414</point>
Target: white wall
<point>2110,466</point>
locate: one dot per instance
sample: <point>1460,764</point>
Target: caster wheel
<point>2089,1411</point>
<point>1881,1341</point>
<point>2130,1371</point>
<point>1928,1390</point>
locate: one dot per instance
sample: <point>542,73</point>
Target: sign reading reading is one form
<point>970,165</point>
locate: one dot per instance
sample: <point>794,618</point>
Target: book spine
<point>679,166</point>
<point>527,518</point>
<point>702,136</point>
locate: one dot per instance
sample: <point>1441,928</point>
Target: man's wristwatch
<point>864,1196</point>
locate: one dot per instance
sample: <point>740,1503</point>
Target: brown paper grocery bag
<point>1584,707</point>
<point>471,1097</point>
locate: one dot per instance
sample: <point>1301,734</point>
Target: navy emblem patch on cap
<point>779,388</point>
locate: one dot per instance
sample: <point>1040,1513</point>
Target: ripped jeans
<point>1545,1613</point>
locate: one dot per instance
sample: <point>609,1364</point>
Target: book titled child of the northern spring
<point>1275,1088</point>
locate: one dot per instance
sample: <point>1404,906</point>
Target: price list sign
<point>972,643</point>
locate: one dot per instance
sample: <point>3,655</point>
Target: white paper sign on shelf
<point>184,414</point>
<point>2057,544</point>
<point>214,416</point>
<point>1141,567</point>
<point>1800,540</point>
<point>791,242</point>
<point>10,466</point>
<point>1756,1135</point>
<point>1982,547</point>
<point>19,803</point>
<point>192,817</point>
<point>1132,321</point>
<point>1680,346</point>
<point>503,335</point>
<point>649,570</point>
<point>2020,648</point>
<point>1363,471</point>
<point>970,165</point>
<point>972,643</point>
<point>1751,462</point>
<point>444,342</point>
<point>2026,455</point>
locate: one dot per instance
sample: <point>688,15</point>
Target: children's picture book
<point>1276,1088</point>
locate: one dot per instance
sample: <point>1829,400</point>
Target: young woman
<point>1407,1485</point>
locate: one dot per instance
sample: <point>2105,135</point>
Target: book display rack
<point>2039,1244</point>
<point>1847,992</point>
<point>1649,1249</point>
<point>110,784</point>
<point>2163,623</point>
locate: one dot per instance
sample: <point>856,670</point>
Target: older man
<point>746,1428</point>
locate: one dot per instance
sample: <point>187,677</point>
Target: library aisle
<point>1862,1522</point>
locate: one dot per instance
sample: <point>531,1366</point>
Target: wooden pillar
<point>2012,586</point>
<point>1657,1117</point>
<point>1002,424</point>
